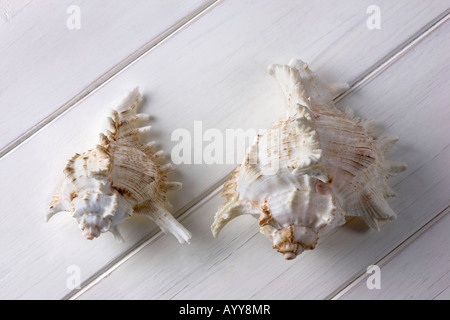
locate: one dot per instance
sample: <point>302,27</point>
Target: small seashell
<point>310,170</point>
<point>120,177</point>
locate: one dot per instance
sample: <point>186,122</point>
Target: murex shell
<point>310,170</point>
<point>120,177</point>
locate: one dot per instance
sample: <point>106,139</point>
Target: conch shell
<point>310,170</point>
<point>120,177</point>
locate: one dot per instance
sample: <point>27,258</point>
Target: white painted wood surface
<point>419,270</point>
<point>47,66</point>
<point>214,70</point>
<point>242,265</point>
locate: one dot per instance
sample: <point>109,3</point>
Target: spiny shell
<point>120,177</point>
<point>310,170</point>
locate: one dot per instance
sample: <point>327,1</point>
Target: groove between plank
<point>109,75</point>
<point>184,212</point>
<point>396,54</point>
<point>181,214</point>
<point>337,294</point>
<point>373,73</point>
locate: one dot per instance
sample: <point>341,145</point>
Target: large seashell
<point>310,170</point>
<point>120,177</point>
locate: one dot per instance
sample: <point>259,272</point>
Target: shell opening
<point>293,240</point>
<point>92,225</point>
<point>90,232</point>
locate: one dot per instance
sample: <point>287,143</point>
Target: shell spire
<point>311,169</point>
<point>120,177</point>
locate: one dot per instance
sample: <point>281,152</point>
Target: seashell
<point>120,177</point>
<point>308,172</point>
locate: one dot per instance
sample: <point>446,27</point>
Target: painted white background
<point>207,60</point>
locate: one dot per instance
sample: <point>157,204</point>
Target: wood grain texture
<point>215,71</point>
<point>45,64</point>
<point>409,99</point>
<point>419,270</point>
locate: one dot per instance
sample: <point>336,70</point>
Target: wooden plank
<point>46,65</point>
<point>418,270</point>
<point>444,295</point>
<point>214,71</point>
<point>407,99</point>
